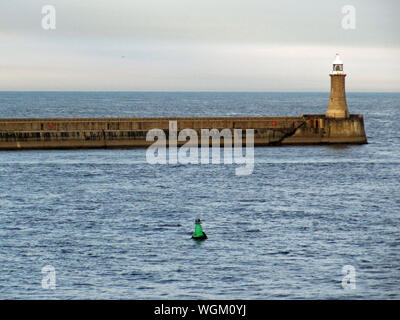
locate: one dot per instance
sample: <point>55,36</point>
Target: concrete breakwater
<point>337,125</point>
<point>71,133</point>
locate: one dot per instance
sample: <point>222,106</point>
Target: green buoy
<point>198,234</point>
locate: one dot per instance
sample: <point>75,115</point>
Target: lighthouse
<point>337,107</point>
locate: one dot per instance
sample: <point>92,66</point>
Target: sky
<point>198,45</point>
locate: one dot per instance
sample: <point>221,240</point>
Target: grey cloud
<point>284,21</point>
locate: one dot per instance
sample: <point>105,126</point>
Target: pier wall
<point>74,133</point>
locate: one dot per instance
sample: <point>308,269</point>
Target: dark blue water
<point>116,227</point>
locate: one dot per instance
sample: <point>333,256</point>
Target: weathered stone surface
<point>337,107</point>
<point>131,132</point>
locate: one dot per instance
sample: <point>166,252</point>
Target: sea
<point>310,222</point>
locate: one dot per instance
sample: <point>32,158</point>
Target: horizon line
<point>184,91</point>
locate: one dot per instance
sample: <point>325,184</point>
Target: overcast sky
<point>198,45</point>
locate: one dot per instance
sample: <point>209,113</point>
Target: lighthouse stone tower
<point>337,107</point>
